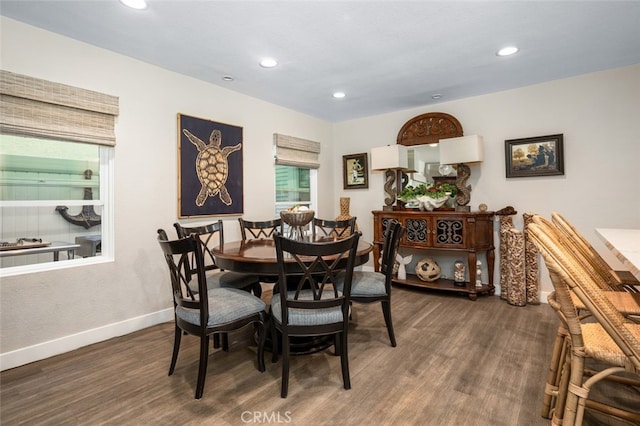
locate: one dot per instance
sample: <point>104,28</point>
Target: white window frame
<point>106,201</point>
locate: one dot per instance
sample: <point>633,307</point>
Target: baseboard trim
<point>64,344</point>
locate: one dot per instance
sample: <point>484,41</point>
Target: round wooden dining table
<point>259,256</point>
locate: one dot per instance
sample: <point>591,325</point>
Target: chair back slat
<point>255,230</point>
<point>566,268</point>
<point>179,255</point>
<point>332,229</point>
<point>587,252</point>
<point>311,268</point>
<point>393,235</point>
<point>209,236</point>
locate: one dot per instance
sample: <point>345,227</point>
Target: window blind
<point>292,151</point>
<point>44,109</point>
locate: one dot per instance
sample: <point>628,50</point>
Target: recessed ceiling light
<point>506,51</point>
<point>268,63</point>
<point>227,78</point>
<point>339,95</point>
<point>436,96</point>
<point>135,4</point>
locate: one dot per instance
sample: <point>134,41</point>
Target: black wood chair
<point>264,229</point>
<point>370,287</point>
<point>335,229</point>
<point>311,305</point>
<point>255,230</point>
<point>211,235</point>
<point>209,311</point>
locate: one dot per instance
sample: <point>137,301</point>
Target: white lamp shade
<point>389,157</point>
<point>465,149</point>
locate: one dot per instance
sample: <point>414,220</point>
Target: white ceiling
<point>386,55</point>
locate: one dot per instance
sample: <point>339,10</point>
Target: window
<point>41,183</point>
<point>56,175</point>
<point>295,186</point>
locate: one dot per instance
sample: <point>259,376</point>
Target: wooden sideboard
<point>443,231</point>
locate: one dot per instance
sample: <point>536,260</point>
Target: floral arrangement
<point>438,190</point>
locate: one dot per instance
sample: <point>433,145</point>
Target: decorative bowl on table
<point>428,203</point>
<point>297,221</point>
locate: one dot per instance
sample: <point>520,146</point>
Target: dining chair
<point>263,229</point>
<point>309,304</point>
<point>335,229</point>
<point>626,303</point>
<point>210,311</point>
<point>371,286</point>
<point>255,230</point>
<point>211,235</point>
<point>610,340</point>
<point>617,280</point>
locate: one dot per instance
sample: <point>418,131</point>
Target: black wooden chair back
<point>255,230</point>
<point>332,229</point>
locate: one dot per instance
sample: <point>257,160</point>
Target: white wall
<point>47,313</point>
<point>599,117</point>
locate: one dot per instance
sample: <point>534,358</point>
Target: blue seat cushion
<point>364,283</point>
<point>225,305</point>
<point>307,316</point>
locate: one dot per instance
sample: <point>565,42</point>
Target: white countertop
<point>625,244</point>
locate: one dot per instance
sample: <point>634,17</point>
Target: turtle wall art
<point>210,168</point>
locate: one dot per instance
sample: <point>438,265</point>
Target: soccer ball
<point>428,270</point>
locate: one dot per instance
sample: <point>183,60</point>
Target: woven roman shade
<point>43,109</point>
<point>291,151</point>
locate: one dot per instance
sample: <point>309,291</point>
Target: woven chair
<point>332,229</point>
<point>626,303</point>
<point>309,304</point>
<point>611,340</point>
<point>208,312</point>
<point>617,280</point>
<point>371,287</point>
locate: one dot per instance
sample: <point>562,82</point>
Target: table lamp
<point>394,161</point>
<point>459,152</point>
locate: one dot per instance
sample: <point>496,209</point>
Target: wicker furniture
<point>614,279</point>
<point>466,233</point>
<point>211,311</point>
<point>611,340</point>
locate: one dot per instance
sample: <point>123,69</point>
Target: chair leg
<point>177,337</point>
<point>202,368</point>
<point>262,337</point>
<point>344,360</point>
<point>257,290</point>
<point>274,340</point>
<point>551,386</point>
<point>386,311</point>
<point>285,366</point>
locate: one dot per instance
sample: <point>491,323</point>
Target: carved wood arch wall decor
<point>429,128</point>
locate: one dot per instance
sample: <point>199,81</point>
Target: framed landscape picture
<point>210,175</point>
<point>537,156</point>
<point>354,171</point>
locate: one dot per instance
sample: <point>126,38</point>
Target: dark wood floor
<point>457,362</point>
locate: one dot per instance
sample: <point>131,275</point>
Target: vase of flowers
<point>427,196</point>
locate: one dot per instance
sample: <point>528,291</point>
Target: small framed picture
<point>538,156</point>
<point>355,171</point>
